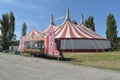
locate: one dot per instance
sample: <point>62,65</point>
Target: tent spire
<point>82,19</point>
<point>51,20</point>
<point>67,14</point>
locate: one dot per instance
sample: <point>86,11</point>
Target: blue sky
<point>36,13</point>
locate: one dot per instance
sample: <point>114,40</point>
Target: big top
<point>72,37</point>
<point>63,38</point>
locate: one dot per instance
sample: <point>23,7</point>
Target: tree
<point>111,30</point>
<point>74,21</point>
<point>7,29</point>
<point>0,43</point>
<point>0,39</point>
<point>90,23</point>
<point>24,28</point>
<point>14,42</point>
<point>118,43</point>
<point>14,37</point>
<point>119,38</point>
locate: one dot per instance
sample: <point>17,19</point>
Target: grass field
<point>106,60</point>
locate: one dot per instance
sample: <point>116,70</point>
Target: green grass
<point>25,54</point>
<point>106,60</point>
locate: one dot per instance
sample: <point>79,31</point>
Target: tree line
<point>111,29</point>
<point>7,27</point>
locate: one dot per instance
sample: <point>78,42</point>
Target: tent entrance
<point>57,41</point>
<point>35,47</point>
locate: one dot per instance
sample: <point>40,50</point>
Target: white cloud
<point>25,4</point>
<point>6,1</point>
<point>58,18</point>
<point>28,5</point>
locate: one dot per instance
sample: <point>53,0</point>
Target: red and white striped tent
<point>34,35</point>
<point>21,47</point>
<point>72,31</point>
<point>72,37</point>
<point>51,26</point>
<point>50,45</point>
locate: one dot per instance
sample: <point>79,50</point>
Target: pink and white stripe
<point>50,41</point>
<point>33,34</point>
<point>21,47</point>
<point>89,31</point>
<point>50,27</point>
<point>70,30</point>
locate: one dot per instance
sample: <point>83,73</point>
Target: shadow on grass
<point>53,58</point>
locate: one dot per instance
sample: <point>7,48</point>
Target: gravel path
<point>15,67</point>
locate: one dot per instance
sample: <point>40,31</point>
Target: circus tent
<point>21,47</point>
<point>72,37</point>
<point>66,37</point>
<point>51,26</point>
<point>33,41</point>
<point>34,35</point>
<point>50,44</point>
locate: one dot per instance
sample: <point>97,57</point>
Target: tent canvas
<point>73,37</point>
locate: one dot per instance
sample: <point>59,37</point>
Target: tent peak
<point>51,19</point>
<point>68,14</point>
<point>82,19</point>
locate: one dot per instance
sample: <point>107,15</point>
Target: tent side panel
<point>84,44</point>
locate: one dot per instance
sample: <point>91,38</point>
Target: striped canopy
<point>50,27</point>
<point>71,30</point>
<point>34,34</point>
<point>90,32</point>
